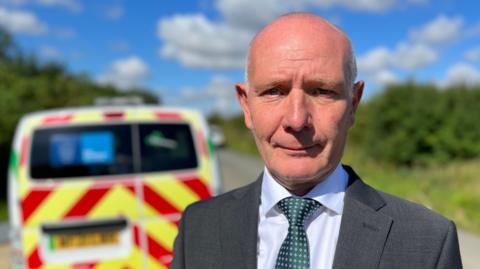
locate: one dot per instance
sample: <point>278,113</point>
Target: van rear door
<point>79,200</point>
<point>176,172</point>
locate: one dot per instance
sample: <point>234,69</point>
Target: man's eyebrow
<point>325,83</point>
<point>272,83</point>
<point>308,83</point>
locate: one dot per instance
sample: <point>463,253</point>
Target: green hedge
<point>409,124</point>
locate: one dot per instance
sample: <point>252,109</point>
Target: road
<point>238,170</point>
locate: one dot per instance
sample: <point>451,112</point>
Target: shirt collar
<point>329,193</point>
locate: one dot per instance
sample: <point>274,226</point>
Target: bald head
<point>302,31</point>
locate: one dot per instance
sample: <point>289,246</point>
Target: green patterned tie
<point>294,250</point>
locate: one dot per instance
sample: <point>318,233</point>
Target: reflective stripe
<point>59,200</point>
<point>87,202</point>
<point>60,119</point>
<point>202,143</point>
<point>174,192</point>
<point>32,201</point>
<point>168,116</point>
<point>198,187</point>
<point>158,202</point>
<point>120,200</point>
<point>34,260</point>
<point>24,151</point>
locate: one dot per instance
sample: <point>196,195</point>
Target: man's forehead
<point>297,25</point>
<point>299,36</point>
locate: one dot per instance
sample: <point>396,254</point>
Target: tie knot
<point>297,210</point>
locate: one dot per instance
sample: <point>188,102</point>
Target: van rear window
<point>83,151</point>
<point>166,147</point>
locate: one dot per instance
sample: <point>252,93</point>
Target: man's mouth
<point>296,148</point>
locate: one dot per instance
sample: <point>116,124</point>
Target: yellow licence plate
<point>83,240</point>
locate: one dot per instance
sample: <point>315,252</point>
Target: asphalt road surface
<point>237,170</point>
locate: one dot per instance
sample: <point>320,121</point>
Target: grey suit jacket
<point>377,231</point>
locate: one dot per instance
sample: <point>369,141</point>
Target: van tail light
<point>113,115</point>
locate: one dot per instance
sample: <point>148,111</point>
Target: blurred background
<point>417,133</point>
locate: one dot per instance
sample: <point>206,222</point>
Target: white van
<point>105,187</point>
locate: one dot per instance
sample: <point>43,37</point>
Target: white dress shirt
<point>322,227</point>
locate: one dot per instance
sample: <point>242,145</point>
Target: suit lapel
<point>239,221</point>
<point>364,230</point>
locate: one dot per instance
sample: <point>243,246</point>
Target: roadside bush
<point>411,124</point>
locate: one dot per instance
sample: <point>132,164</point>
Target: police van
<point>104,187</point>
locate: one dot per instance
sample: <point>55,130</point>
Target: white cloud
<point>442,30</point>
<point>405,57</point>
<point>217,96</point>
<point>413,56</point>
<point>379,64</point>
<point>462,73</point>
<point>126,73</point>
<point>17,21</point>
<point>376,65</point>
<point>114,12</point>
<point>71,5</point>
<point>197,42</point>
<point>384,77</point>
<point>473,54</point>
<point>361,5</point>
<point>240,14</point>
<point>375,60</point>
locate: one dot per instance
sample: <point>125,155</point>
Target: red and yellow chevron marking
<point>169,195</point>
<point>160,237</point>
<point>86,199</point>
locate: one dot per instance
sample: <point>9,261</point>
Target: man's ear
<point>356,97</point>
<point>242,98</point>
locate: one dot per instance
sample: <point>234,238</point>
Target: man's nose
<point>296,115</point>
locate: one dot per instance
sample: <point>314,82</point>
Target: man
<point>306,210</point>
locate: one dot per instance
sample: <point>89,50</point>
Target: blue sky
<point>192,52</point>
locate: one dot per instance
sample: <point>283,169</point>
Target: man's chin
<point>293,178</point>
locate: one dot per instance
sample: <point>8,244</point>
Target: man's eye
<point>321,91</point>
<point>273,91</point>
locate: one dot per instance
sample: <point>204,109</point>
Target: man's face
<point>299,109</point>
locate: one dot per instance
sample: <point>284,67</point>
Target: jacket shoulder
<point>410,212</point>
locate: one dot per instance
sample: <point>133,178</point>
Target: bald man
<point>306,210</point>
